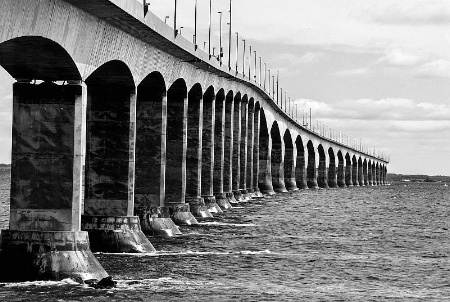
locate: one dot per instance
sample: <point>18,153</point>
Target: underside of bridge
<point>101,160</point>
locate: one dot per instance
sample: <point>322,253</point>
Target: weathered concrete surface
<point>116,234</point>
<point>42,255</point>
<point>154,222</point>
<point>43,196</point>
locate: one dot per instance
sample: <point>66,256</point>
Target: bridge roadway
<point>120,129</point>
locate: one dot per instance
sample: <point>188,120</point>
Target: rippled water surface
<point>359,244</point>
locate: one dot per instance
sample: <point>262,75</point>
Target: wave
<point>228,224</point>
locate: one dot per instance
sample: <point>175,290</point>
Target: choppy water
<point>359,244</point>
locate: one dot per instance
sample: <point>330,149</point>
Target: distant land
<point>417,178</point>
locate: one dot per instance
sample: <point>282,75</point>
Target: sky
<point>376,70</point>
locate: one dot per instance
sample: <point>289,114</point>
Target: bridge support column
<point>110,163</point>
<point>228,149</point>
<point>277,168</point>
<point>219,153</point>
<point>365,176</point>
<point>289,168</point>
<point>44,240</point>
<point>355,172</point>
<point>369,174</point>
<point>360,173</point>
<point>194,154</point>
<point>250,146</point>
<point>244,150</point>
<point>236,162</point>
<point>322,177</point>
<point>265,166</point>
<point>311,169</point>
<point>341,174</point>
<point>332,175</point>
<point>300,167</point>
<point>348,173</point>
<point>207,150</point>
<point>255,176</point>
<point>151,129</point>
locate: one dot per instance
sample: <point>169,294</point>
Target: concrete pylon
<point>44,240</point>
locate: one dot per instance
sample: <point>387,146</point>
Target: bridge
<point>122,130</point>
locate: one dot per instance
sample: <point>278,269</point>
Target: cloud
<point>430,13</point>
<point>354,72</point>
<point>435,69</point>
<point>399,58</point>
<point>307,58</point>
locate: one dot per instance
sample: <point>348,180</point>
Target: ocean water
<point>358,244</point>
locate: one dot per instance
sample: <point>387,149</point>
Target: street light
<point>220,39</point>
<point>175,32</point>
<point>181,27</point>
<point>229,42</point>
<point>165,19</point>
<point>243,60</point>
<point>195,26</point>
<point>209,30</point>
<point>146,5</point>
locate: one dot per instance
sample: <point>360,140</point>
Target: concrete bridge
<point>122,130</point>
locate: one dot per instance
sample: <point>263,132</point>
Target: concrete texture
<point>116,234</point>
<point>42,255</point>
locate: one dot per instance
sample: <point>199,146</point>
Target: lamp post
<point>260,71</point>
<point>254,76</point>
<point>281,98</point>
<point>195,25</point>
<point>175,32</point>
<point>220,39</point>
<point>278,78</point>
<point>269,83</point>
<point>237,51</point>
<point>250,63</point>
<point>229,41</point>
<point>165,19</point>
<point>243,60</point>
<point>181,27</point>
<point>146,5</point>
<point>265,76</point>
<point>209,29</point>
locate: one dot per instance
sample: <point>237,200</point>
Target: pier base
<point>116,234</point>
<point>181,214</point>
<point>157,222</point>
<point>212,205</point>
<point>223,201</point>
<point>37,255</point>
<point>198,207</point>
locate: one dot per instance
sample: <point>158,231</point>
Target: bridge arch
<point>151,104</point>
<point>289,164</point>
<point>47,119</point>
<point>311,170</point>
<point>265,173</point>
<point>37,58</point>
<point>176,146</point>
<point>348,170</point>
<point>111,106</point>
<point>341,170</point>
<point>332,175</point>
<point>277,159</point>
<point>300,167</point>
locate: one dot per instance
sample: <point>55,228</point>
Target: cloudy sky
<point>377,70</point>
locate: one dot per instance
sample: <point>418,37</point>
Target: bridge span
<point>121,129</point>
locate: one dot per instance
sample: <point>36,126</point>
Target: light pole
<point>265,76</point>
<point>195,26</point>
<point>165,19</point>
<point>278,78</point>
<point>220,39</point>
<point>243,60</point>
<point>209,30</point>
<point>269,83</point>
<point>181,27</point>
<point>237,51</point>
<point>281,98</point>
<point>175,31</point>
<point>229,42</point>
<point>250,63</point>
<point>254,77</point>
<point>146,5</point>
<point>260,71</point>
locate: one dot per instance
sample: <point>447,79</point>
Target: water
<point>359,244</point>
